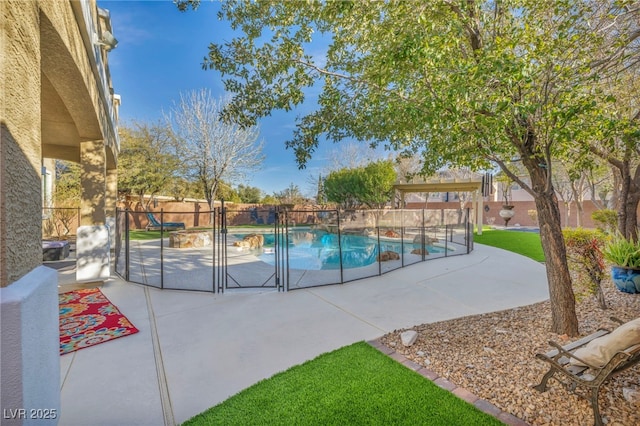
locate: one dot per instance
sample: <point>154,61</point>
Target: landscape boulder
<point>387,255</point>
<point>250,241</point>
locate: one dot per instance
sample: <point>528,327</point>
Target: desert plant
<point>586,260</point>
<point>622,252</point>
<point>533,214</point>
<point>606,220</point>
<point>63,217</point>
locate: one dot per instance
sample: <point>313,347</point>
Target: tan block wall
<point>196,214</point>
<point>522,217</point>
<point>20,156</point>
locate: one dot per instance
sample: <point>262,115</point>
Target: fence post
<point>402,213</point>
<point>469,234</point>
<point>161,248</point>
<point>446,240</point>
<point>423,237</point>
<point>379,259</point>
<point>127,258</point>
<point>213,252</point>
<point>223,230</point>
<point>286,250</point>
<point>340,248</point>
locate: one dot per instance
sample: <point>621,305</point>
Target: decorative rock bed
<point>492,356</point>
<point>192,238</point>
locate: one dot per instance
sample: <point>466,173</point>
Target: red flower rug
<point>87,318</point>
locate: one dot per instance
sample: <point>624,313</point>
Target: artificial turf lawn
<point>524,243</point>
<point>354,385</point>
<point>141,235</point>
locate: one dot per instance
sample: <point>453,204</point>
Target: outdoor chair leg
<point>597,419</point>
<point>542,387</point>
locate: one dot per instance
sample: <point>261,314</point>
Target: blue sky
<point>159,55</point>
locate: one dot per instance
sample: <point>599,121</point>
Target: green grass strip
<point>142,235</point>
<point>354,385</point>
<point>524,243</point>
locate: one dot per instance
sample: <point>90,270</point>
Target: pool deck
<point>196,349</point>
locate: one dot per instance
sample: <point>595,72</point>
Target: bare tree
<point>210,149</point>
<point>351,155</point>
<point>408,166</point>
<point>600,183</point>
<point>563,184</point>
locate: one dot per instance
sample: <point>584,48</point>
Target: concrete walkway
<point>195,350</point>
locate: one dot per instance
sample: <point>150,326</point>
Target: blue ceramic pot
<point>626,280</point>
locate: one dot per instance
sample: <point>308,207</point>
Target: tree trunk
<point>563,308</point>
<point>630,206</point>
<point>629,197</point>
<point>580,214</point>
<point>616,195</point>
<point>578,191</point>
<point>563,305</point>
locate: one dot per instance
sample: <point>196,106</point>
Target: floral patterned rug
<point>88,318</point>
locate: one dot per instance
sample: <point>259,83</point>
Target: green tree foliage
<point>226,192</point>
<point>249,194</point>
<point>290,195</point>
<point>321,196</point>
<point>606,220</point>
<point>66,199</point>
<point>470,83</point>
<point>617,141</point>
<point>180,188</point>
<point>371,185</point>
<point>68,189</point>
<point>270,200</point>
<point>146,165</point>
<point>341,187</point>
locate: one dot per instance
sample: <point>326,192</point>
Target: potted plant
<point>624,256</point>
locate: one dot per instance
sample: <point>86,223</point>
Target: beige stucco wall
<point>20,155</point>
<point>50,100</point>
<point>52,103</point>
<point>68,68</point>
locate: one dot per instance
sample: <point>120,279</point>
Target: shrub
<point>586,259</point>
<point>623,252</point>
<point>606,220</point>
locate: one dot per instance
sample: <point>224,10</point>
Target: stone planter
<point>193,238</point>
<point>506,213</point>
<point>626,280</point>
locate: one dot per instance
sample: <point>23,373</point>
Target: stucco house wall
<point>56,100</point>
<point>20,141</point>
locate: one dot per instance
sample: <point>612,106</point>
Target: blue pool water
<point>316,250</point>
<point>536,230</point>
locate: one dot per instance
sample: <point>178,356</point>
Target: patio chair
<point>155,225</point>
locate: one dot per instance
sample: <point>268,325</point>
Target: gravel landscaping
<point>493,356</point>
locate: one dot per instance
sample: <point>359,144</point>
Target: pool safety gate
<point>281,249</point>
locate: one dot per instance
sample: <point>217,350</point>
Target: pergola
<point>446,185</point>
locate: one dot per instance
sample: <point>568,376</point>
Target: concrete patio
<point>195,349</point>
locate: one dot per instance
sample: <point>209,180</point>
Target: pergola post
<point>479,210</point>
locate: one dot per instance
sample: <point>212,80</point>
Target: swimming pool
<point>319,250</point>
